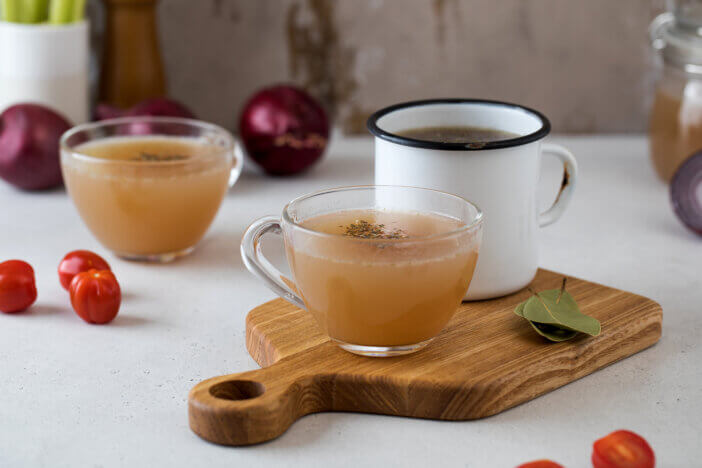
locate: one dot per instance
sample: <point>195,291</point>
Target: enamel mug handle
<point>256,262</point>
<point>570,176</point>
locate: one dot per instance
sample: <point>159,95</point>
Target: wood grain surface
<point>485,361</point>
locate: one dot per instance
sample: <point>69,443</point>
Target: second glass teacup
<point>149,187</point>
<point>381,268</point>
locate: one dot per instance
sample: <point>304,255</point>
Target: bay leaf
<point>553,333</point>
<point>549,332</point>
<point>557,307</point>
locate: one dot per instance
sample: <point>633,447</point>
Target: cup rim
<point>66,148</point>
<point>373,128</point>
<point>477,221</point>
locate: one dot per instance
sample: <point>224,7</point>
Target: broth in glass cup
<point>148,188</point>
<point>381,268</point>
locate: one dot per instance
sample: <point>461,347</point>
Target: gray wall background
<point>585,63</point>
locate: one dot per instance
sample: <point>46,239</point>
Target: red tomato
<point>95,296</point>
<point>541,464</point>
<point>18,289</point>
<point>622,449</point>
<point>79,261</point>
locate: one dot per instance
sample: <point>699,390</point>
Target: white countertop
<point>74,395</point>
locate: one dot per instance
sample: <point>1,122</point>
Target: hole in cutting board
<point>237,390</point>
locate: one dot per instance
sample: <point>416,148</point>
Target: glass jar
<point>675,128</point>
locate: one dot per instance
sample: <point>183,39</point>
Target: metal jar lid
<point>678,37</point>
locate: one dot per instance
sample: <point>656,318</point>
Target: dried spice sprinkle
<point>365,230</point>
<point>158,157</point>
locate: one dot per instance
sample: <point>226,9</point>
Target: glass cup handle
<point>570,176</point>
<point>258,264</point>
<point>238,165</point>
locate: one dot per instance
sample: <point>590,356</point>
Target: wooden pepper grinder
<point>132,69</point>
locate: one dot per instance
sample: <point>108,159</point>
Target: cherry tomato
<point>622,449</point>
<point>541,464</point>
<point>95,296</point>
<point>18,289</point>
<point>79,261</point>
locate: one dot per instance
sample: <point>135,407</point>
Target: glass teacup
<point>148,188</point>
<point>381,268</point>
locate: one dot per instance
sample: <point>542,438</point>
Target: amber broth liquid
<point>383,292</point>
<point>675,132</point>
<point>161,201</point>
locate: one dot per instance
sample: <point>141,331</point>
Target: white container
<point>45,64</point>
<point>500,177</point>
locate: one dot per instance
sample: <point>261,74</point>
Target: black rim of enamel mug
<point>372,125</point>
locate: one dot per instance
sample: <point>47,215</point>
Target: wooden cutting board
<point>485,361</point>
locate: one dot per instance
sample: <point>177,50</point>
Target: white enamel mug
<point>500,176</point>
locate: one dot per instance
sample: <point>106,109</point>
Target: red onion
<point>29,146</point>
<point>686,192</point>
<point>106,111</point>
<point>284,129</point>
<point>157,107</point>
<point>160,107</point>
